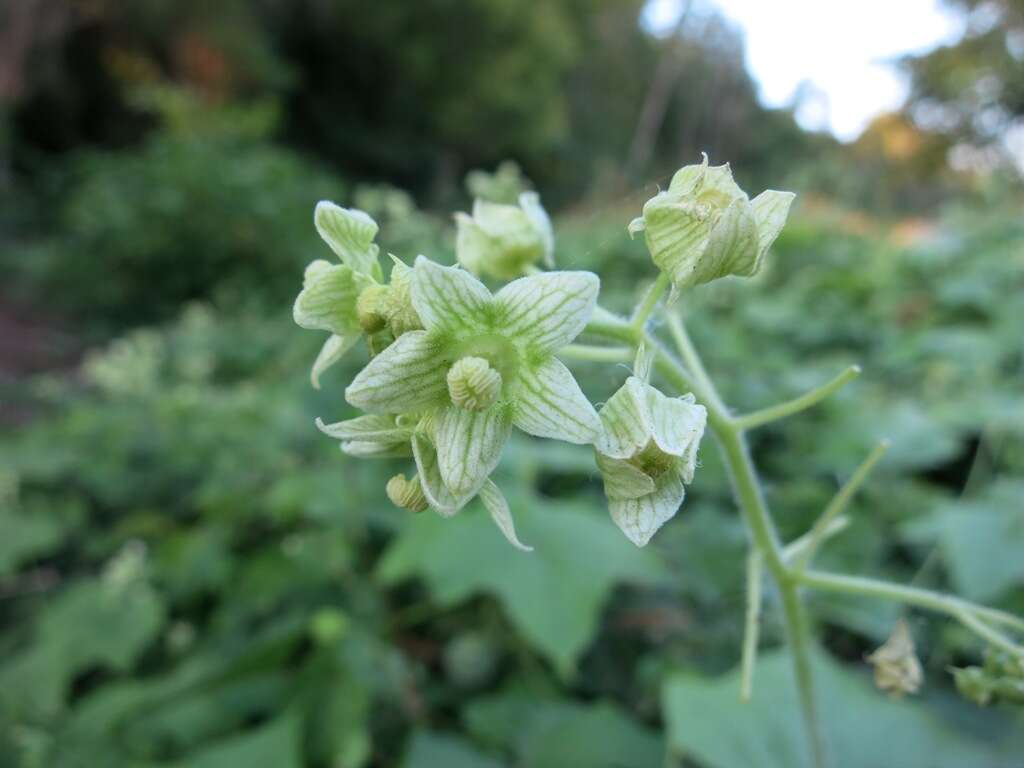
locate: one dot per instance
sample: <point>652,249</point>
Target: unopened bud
<point>473,384</point>
<point>406,494</point>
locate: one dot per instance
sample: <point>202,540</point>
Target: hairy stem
<point>789,577</point>
<point>648,304</point>
<point>751,625</point>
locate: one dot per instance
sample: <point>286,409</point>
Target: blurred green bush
<point>190,575</point>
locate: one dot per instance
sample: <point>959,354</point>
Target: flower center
<point>652,461</point>
<point>473,384</point>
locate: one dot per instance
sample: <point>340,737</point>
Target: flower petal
<point>349,233</point>
<point>374,450</point>
<point>771,209</point>
<point>677,422</point>
<point>676,233</point>
<point>332,351</point>
<point>626,421</point>
<point>497,506</point>
<point>469,445</point>
<point>328,298</point>
<point>732,247</point>
<point>549,403</point>
<point>640,518</point>
<point>407,376</point>
<point>375,427</point>
<point>440,498</point>
<point>622,480</point>
<point>530,203</point>
<point>448,298</point>
<point>545,312</point>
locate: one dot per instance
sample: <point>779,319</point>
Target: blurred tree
<point>973,90</point>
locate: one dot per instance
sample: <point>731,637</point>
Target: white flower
<point>647,450</point>
<point>503,240</point>
<point>704,226</point>
<point>482,365</point>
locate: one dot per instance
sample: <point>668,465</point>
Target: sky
<point>842,48</point>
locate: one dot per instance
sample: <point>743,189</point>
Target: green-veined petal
<point>622,480</point>
<point>677,422</point>
<point>771,209</point>
<point>640,518</point>
<point>327,301</point>
<point>349,232</point>
<point>407,376</point>
<point>732,247</point>
<point>469,445</point>
<point>549,403</point>
<point>331,352</point>
<point>496,504</point>
<point>448,298</point>
<point>439,496</point>
<point>546,312</point>
<point>530,203</point>
<point>375,427</point>
<point>626,421</point>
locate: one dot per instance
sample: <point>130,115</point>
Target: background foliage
<point>191,575</point>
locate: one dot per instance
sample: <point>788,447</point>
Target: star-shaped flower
<point>647,450</point>
<point>482,365</point>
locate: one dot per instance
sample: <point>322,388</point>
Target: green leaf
<point>554,595</point>
<point>274,745</point>
<point>981,540</point>
<point>548,733</point>
<point>863,728</point>
<point>434,750</point>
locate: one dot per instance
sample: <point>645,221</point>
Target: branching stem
<point>789,576</point>
<point>802,403</point>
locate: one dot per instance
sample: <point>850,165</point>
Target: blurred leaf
<point>863,728</point>
<point>274,745</point>
<point>432,750</point>
<point>547,733</point>
<point>981,540</point>
<point>554,595</point>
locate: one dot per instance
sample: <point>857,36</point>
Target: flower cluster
<point>454,368</point>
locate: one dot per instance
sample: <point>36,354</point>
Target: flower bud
<point>897,669</point>
<point>473,384</point>
<point>503,240</point>
<point>704,226</point>
<point>406,494</point>
<point>370,308</point>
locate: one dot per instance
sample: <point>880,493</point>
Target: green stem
<point>752,624</point>
<point>589,353</point>
<point>839,503</point>
<point>802,403</point>
<point>729,433</point>
<point>650,301</point>
<point>913,596</point>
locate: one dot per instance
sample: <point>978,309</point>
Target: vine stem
<point>689,375</point>
<point>747,491</point>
